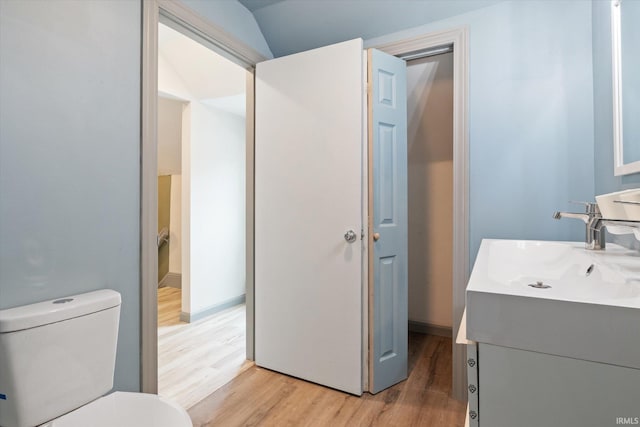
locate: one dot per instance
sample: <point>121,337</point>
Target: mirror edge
<point>620,168</point>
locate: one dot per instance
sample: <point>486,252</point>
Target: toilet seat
<point>123,409</point>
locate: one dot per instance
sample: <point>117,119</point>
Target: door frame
<point>459,39</point>
<point>185,20</point>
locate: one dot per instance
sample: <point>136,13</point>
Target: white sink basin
<point>573,273</point>
<point>591,310</point>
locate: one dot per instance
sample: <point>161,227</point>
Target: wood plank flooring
<point>265,398</point>
<point>195,359</point>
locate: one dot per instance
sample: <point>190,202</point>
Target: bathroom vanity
<point>554,334</point>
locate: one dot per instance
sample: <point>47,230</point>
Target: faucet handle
<point>590,207</point>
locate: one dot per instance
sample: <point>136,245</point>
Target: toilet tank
<point>56,356</point>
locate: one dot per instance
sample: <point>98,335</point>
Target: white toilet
<point>57,360</point>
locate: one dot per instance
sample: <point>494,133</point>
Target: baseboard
<point>193,317</point>
<point>429,329</point>
<point>171,280</point>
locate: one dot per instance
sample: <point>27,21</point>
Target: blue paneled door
<point>388,223</point>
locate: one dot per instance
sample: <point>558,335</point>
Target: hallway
<point>195,359</point>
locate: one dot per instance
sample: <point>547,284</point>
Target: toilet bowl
<point>123,409</point>
<point>57,364</point>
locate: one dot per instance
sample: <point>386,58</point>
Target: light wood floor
<point>195,359</point>
<point>262,397</point>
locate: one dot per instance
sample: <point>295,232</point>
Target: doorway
<point>201,210</point>
<point>430,188</point>
<point>430,207</point>
<point>181,18</point>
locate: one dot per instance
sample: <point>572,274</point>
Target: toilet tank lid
<point>57,310</point>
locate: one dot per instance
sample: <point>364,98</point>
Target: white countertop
<point>590,312</point>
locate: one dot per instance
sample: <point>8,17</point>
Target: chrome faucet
<point>595,228</point>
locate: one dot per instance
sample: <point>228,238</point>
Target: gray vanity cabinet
<point>517,388</point>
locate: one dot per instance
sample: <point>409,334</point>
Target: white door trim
<point>185,20</point>
<point>459,38</point>
<point>181,18</point>
<point>149,201</point>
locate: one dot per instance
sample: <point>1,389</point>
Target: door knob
<point>350,236</point>
<point>376,236</point>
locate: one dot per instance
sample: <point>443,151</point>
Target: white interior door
<point>388,251</point>
<point>308,189</point>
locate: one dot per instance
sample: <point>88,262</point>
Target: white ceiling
<point>209,77</point>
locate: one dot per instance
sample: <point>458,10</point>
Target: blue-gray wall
<point>605,181</point>
<point>530,116</point>
<point>70,152</point>
<point>69,157</point>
